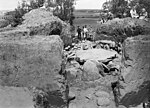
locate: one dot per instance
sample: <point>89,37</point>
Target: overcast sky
<point>81,4</point>
<point>8,4</point>
<point>89,4</point>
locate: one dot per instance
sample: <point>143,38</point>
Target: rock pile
<point>34,64</point>
<point>133,80</point>
<point>90,72</point>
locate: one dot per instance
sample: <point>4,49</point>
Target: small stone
<point>102,94</point>
<point>100,107</point>
<point>75,64</point>
<point>85,47</point>
<point>103,101</point>
<point>72,105</point>
<point>71,95</point>
<point>72,71</point>
<point>89,96</point>
<point>106,47</point>
<point>121,106</point>
<point>59,77</point>
<point>89,93</point>
<point>90,105</point>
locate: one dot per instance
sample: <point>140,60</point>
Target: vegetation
<point>61,8</point>
<point>64,10</point>
<point>121,8</point>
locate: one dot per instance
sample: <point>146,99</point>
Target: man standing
<point>85,30</point>
<point>79,32</point>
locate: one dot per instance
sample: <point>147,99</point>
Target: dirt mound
<point>136,70</point>
<point>120,29</point>
<point>40,22</point>
<point>43,22</point>
<point>32,61</point>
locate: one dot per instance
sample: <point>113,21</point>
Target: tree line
<point>61,8</point>
<point>121,8</point>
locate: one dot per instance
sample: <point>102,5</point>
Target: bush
<point>3,23</point>
<point>120,29</point>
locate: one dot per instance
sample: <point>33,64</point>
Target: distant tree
<point>117,7</point>
<point>140,4</point>
<point>34,4</point>
<point>17,14</point>
<point>62,8</point>
<point>107,5</point>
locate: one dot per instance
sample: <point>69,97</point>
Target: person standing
<point>85,32</point>
<point>79,32</point>
<point>82,33</point>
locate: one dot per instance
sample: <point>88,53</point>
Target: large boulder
<point>136,71</point>
<point>95,54</point>
<point>30,61</point>
<point>15,97</point>
<point>103,101</point>
<point>91,70</point>
<point>120,29</point>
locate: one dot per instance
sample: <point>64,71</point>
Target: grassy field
<point>86,21</point>
<point>86,13</point>
<point>86,17</point>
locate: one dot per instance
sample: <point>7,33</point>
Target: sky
<point>8,4</point>
<point>89,4</point>
<point>80,4</point>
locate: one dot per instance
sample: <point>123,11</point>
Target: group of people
<point>142,15</point>
<point>84,32</point>
<point>109,16</point>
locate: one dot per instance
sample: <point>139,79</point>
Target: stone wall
<point>136,70</point>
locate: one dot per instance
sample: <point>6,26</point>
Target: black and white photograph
<point>74,53</point>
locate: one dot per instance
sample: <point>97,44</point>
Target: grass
<point>86,21</point>
<point>86,14</point>
<point>86,17</point>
